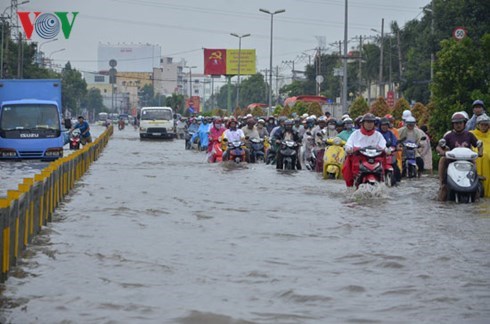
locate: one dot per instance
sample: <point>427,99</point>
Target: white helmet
<point>406,114</point>
<point>410,119</point>
<point>465,114</point>
<point>345,116</point>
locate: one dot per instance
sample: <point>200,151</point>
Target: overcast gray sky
<point>183,27</point>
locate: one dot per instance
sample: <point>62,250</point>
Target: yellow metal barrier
<point>24,211</point>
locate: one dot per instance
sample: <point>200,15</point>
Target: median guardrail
<point>23,212</point>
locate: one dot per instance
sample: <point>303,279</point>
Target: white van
<point>157,122</point>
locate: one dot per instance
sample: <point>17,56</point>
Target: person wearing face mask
<point>330,131</point>
<point>215,133</point>
<point>348,129</point>
<point>203,132</point>
<point>263,133</point>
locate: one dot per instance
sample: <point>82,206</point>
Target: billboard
<point>225,61</point>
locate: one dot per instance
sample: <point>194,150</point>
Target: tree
<point>380,108</point>
<point>461,74</point>
<point>315,109</point>
<point>400,106</point>
<point>93,101</point>
<point>73,88</point>
<point>358,108</point>
<point>286,111</point>
<point>257,111</point>
<point>177,102</point>
<point>300,108</point>
<point>419,112</point>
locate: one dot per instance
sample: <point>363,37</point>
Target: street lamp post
<point>51,54</point>
<point>239,63</point>
<point>39,52</point>
<point>190,78</point>
<point>270,61</point>
<point>344,85</point>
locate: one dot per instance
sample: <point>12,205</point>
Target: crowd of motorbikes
<point>372,165</point>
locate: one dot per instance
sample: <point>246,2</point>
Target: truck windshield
<point>29,116</point>
<point>156,114</point>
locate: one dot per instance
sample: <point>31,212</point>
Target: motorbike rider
<point>348,129</point>
<point>84,127</point>
<point>363,137</point>
<point>215,133</point>
<point>203,132</point>
<point>411,133</point>
<point>457,137</point>
<point>482,133</point>
<point>478,110</point>
<point>298,127</point>
<point>271,123</point>
<point>284,134</point>
<point>262,129</point>
<point>232,134</point>
<point>249,130</point>
<point>391,143</point>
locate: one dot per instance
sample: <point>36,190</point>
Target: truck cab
<point>157,122</point>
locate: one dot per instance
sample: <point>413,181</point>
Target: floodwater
<point>154,234</point>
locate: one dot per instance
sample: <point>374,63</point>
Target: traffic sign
<point>459,33</point>
<point>319,79</point>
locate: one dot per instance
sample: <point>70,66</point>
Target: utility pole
<point>360,65</point>
<point>399,63</point>
<point>277,83</point>
<point>344,88</point>
<point>381,86</point>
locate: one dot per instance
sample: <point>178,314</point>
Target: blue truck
<point>30,119</point>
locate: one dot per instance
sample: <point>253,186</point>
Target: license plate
<point>156,134</point>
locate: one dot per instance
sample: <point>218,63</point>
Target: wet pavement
<point>154,234</point>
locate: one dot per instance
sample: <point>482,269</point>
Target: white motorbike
<point>463,183</point>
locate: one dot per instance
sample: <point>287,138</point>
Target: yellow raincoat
<point>483,163</point>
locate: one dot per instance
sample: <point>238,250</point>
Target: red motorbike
<point>371,165</point>
<point>216,153</point>
<point>75,139</point>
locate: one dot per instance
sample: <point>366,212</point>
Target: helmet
<point>332,121</point>
<point>389,117</point>
<point>283,118</point>
<point>478,103</point>
<point>305,115</point>
<point>288,122</point>
<point>348,120</point>
<point>410,120</point>
<point>465,114</point>
<point>322,119</point>
<point>483,119</point>
<point>313,116</point>
<point>458,117</point>
<point>261,121</point>
<point>217,121</point>
<point>344,116</point>
<point>406,114</point>
<point>368,117</point>
<point>385,121</point>
<point>232,120</point>
<point>340,123</point>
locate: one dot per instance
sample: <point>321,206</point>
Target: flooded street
<point>154,234</point>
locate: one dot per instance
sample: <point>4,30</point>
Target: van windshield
<point>156,114</point>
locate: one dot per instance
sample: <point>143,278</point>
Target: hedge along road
<point>154,234</point>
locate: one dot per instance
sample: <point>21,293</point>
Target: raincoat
<point>483,163</point>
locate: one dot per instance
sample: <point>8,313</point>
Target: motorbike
<point>121,124</point>
<point>271,154</point>
<point>216,153</point>
<point>288,155</point>
<point>333,158</point>
<point>188,137</point>
<point>75,139</point>
<point>464,185</point>
<point>236,152</point>
<point>257,150</point>
<point>409,165</point>
<point>372,163</point>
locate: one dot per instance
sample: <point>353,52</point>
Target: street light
<point>190,78</point>
<point>270,65</point>
<point>239,57</point>
<point>39,61</point>
<point>51,54</point>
